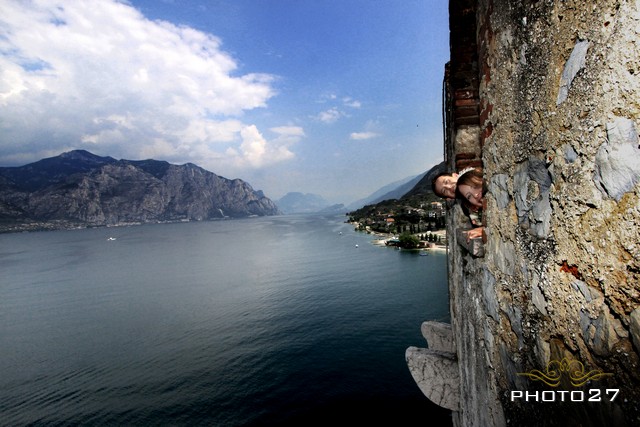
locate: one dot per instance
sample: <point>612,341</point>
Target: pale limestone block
<point>436,374</point>
<point>634,321</point>
<point>498,186</point>
<point>539,300</point>
<point>575,63</point>
<point>467,138</point>
<point>439,336</point>
<point>618,159</point>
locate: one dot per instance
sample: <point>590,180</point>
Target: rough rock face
<point>557,118</point>
<point>81,189</point>
<point>564,162</point>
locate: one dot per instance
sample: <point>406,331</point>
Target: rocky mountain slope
<point>405,190</point>
<point>78,188</point>
<point>418,195</point>
<point>395,190</point>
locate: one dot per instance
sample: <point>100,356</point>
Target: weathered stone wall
<point>545,95</point>
<point>559,101</point>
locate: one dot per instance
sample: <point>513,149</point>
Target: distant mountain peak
<point>419,184</point>
<point>297,202</point>
<point>81,155</point>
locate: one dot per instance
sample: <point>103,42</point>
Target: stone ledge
<point>435,369</point>
<point>436,374</point>
<point>439,336</point>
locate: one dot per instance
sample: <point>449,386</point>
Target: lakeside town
<point>403,226</point>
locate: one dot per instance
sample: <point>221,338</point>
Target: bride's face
<point>472,194</point>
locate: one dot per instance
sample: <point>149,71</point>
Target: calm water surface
<point>258,322</point>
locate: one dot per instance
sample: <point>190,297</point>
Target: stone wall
<point>558,113</point>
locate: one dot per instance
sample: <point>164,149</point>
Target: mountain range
<point>305,203</point>
<point>420,194</point>
<point>395,190</point>
<point>416,187</point>
<point>423,187</point>
<point>296,202</point>
<point>80,189</point>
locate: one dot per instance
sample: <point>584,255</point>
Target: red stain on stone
<point>573,269</point>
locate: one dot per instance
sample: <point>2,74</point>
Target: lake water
<point>268,321</point>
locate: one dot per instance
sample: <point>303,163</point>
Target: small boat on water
<point>111,238</point>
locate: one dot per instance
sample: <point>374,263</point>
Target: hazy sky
<point>333,97</point>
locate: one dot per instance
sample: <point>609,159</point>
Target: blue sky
<point>332,97</point>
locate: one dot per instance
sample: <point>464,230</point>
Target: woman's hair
<point>473,178</point>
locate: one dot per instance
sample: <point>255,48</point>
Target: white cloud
<point>350,102</point>
<point>330,116</point>
<point>335,113</point>
<point>253,145</point>
<point>256,151</point>
<point>359,136</point>
<point>288,135</point>
<point>98,74</point>
<point>371,130</point>
<point>327,97</point>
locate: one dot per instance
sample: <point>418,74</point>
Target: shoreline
<point>381,239</point>
<point>431,247</point>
